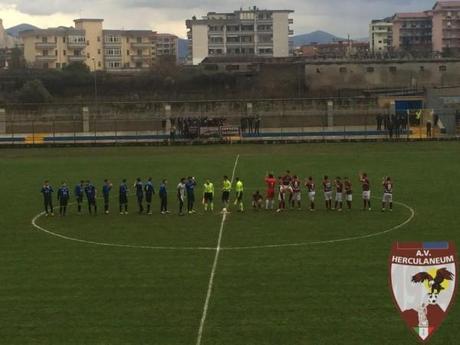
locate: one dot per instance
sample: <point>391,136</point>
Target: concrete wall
<point>94,39</point>
<point>200,43</point>
<point>437,32</point>
<point>280,34</point>
<point>380,75</point>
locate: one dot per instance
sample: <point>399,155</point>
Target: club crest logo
<point>423,283</point>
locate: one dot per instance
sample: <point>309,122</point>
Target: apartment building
<point>446,26</point>
<point>381,35</point>
<point>167,45</point>
<point>55,48</point>
<point>413,31</point>
<point>252,32</point>
<point>133,49</point>
<point>88,42</point>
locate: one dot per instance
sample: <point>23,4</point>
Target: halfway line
<point>214,267</point>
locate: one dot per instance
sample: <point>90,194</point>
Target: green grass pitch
<point>57,292</point>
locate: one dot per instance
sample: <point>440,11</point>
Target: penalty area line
<point>214,267</point>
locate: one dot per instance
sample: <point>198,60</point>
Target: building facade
<point>413,31</point>
<point>436,30</point>
<point>446,27</point>
<point>99,49</point>
<point>167,45</point>
<point>251,32</point>
<point>54,48</point>
<point>381,35</point>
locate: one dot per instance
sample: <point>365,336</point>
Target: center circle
<point>247,231</point>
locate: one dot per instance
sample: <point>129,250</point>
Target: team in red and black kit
<point>366,185</point>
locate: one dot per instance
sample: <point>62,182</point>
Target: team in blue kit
<point>47,192</point>
<point>63,196</point>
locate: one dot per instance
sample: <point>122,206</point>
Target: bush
<point>34,92</point>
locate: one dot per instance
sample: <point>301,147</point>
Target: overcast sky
<point>340,17</point>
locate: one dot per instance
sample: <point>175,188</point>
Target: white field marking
<point>166,248</point>
<point>38,227</point>
<point>214,267</point>
<point>347,239</point>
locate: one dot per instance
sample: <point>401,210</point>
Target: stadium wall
<point>381,75</point>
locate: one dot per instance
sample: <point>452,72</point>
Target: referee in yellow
<point>226,189</point>
<point>208,196</point>
<point>239,188</point>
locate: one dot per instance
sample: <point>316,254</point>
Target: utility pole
<point>95,82</point>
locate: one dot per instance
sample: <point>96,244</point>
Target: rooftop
<point>446,5</point>
<point>81,20</point>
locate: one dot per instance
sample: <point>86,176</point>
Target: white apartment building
<point>381,35</point>
<point>241,33</point>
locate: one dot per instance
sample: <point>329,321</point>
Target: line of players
<point>289,194</point>
<point>290,191</point>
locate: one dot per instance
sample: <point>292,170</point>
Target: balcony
<point>112,57</point>
<point>138,58</point>
<point>112,44</point>
<point>141,44</point>
<point>291,32</point>
<point>45,45</point>
<point>76,58</point>
<point>291,21</point>
<point>80,45</point>
<point>45,57</point>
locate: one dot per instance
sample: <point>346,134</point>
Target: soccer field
<point>277,279</point>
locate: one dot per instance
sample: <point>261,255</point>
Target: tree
<point>16,59</point>
<point>34,91</point>
<point>77,68</point>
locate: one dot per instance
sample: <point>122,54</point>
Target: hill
<point>15,30</point>
<point>315,37</point>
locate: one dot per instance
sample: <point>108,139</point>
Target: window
<point>88,56</point>
<point>58,65</point>
<point>98,38</point>
<point>393,69</point>
<point>138,64</point>
<point>56,52</point>
<point>113,64</point>
<point>442,68</point>
<point>45,53</point>
<point>99,52</point>
<point>422,68</point>
<point>45,65</point>
<point>127,52</point>
<point>343,70</point>
<point>99,64</point>
<point>112,52</point>
<point>63,39</point>
<point>87,43</point>
<point>44,39</point>
<point>64,52</point>
<point>232,67</point>
<point>112,39</point>
<point>139,39</point>
<point>139,52</point>
<point>370,69</point>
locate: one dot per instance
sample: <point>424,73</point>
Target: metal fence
<point>267,121</point>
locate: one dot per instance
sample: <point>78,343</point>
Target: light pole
<point>95,82</point>
<point>96,110</point>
